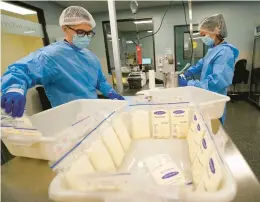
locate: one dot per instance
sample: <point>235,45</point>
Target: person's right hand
<point>115,96</point>
<point>13,103</point>
<point>182,81</point>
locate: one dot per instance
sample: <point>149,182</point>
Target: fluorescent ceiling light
<point>111,40</point>
<point>29,32</point>
<point>128,42</point>
<point>150,31</point>
<point>16,9</point>
<point>143,21</point>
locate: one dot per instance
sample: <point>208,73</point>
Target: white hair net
<point>214,24</point>
<point>75,15</point>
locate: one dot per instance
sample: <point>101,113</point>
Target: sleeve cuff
<point>112,91</point>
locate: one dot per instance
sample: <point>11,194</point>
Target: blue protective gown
<point>216,69</point>
<point>66,72</point>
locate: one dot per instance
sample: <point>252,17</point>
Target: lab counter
<point>27,180</point>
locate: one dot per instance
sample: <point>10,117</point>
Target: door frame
<point>250,77</point>
<point>187,31</point>
<point>40,15</point>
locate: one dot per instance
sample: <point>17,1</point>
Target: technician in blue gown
<point>67,69</point>
<point>216,69</point>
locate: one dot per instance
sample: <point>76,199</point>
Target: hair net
<point>214,24</point>
<point>75,15</point>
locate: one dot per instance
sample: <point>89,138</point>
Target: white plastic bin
<point>213,104</point>
<point>60,128</point>
<point>144,188</point>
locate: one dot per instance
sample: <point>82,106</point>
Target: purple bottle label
<point>171,174</point>
<point>195,117</point>
<point>198,127</point>
<point>179,112</point>
<point>204,143</point>
<point>212,166</point>
<point>159,112</point>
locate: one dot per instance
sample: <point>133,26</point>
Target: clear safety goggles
<point>82,33</point>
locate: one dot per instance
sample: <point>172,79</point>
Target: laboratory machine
<point>136,80</point>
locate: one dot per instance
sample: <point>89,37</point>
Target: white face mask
<point>208,40</point>
<point>80,42</point>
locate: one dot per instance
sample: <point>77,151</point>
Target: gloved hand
<point>13,103</point>
<point>115,96</point>
<point>182,81</point>
<point>188,74</point>
<point>182,76</point>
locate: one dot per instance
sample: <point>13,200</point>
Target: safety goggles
<point>82,33</point>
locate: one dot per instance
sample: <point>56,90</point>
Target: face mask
<point>208,40</point>
<point>80,42</point>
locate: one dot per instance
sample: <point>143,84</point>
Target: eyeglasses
<point>82,33</point>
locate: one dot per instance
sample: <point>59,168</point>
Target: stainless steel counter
<point>248,187</point>
<point>27,180</point>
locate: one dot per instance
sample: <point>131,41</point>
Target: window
<point>197,46</point>
<point>128,33</point>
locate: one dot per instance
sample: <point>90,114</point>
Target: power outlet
<point>160,61</point>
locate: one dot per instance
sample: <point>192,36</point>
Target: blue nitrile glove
<point>114,96</point>
<point>182,81</point>
<point>188,74</point>
<point>14,103</point>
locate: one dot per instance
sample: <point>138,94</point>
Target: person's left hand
<point>114,96</point>
<point>182,81</point>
